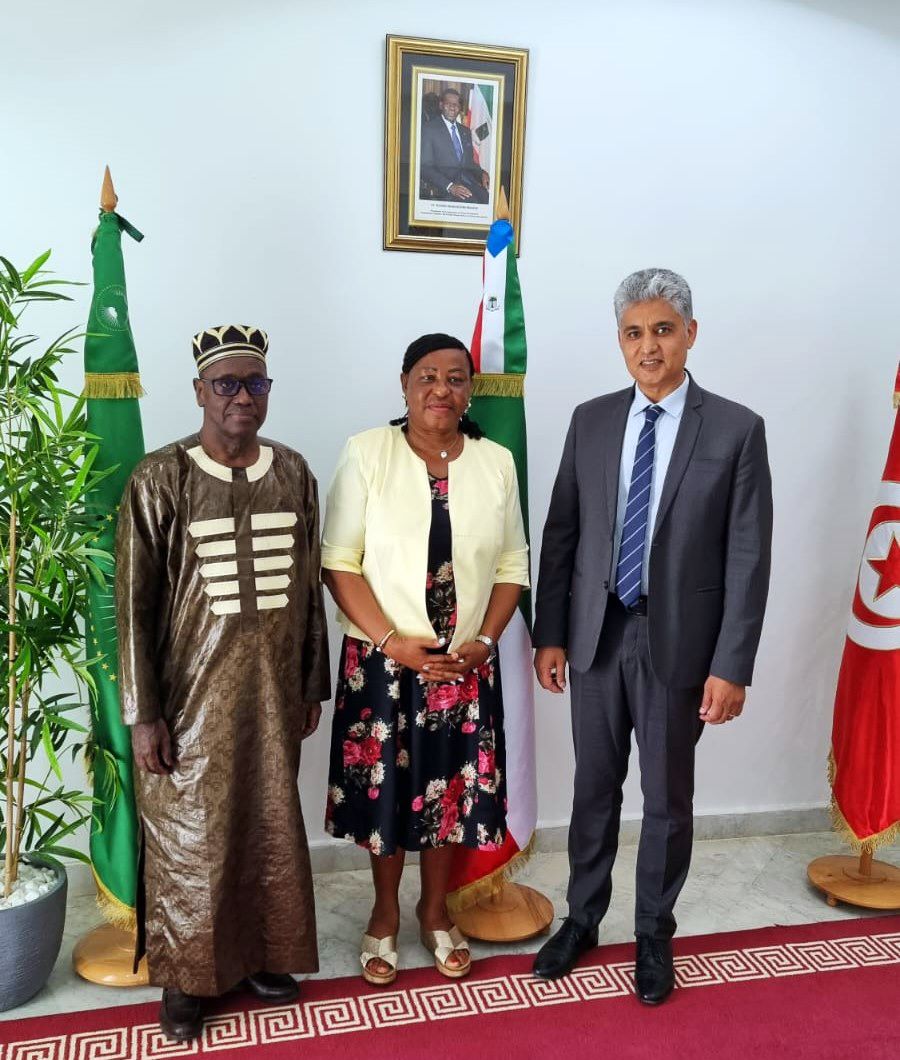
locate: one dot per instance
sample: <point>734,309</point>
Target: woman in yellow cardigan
<point>424,551</point>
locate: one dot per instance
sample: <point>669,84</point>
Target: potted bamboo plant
<point>48,555</point>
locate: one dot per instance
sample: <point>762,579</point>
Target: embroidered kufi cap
<point>229,340</point>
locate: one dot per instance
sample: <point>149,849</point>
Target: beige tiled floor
<point>734,884</point>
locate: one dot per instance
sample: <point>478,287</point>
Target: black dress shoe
<point>181,1015</point>
<point>558,955</point>
<point>273,986</point>
<point>654,971</point>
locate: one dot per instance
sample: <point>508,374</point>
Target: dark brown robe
<point>222,634</point>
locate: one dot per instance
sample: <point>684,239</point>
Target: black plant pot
<point>30,937</point>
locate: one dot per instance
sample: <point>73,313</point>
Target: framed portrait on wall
<point>454,136</point>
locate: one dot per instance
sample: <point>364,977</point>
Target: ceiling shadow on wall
<point>880,16</point>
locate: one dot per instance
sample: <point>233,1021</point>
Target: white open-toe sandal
<point>383,950</point>
<point>441,944</point>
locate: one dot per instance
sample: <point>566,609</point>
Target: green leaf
<point>32,269</point>
<point>13,272</point>
<point>44,416</point>
<point>77,487</point>
<point>24,660</point>
<point>57,406</point>
<point>55,824</point>
<point>30,590</point>
<point>67,723</point>
<point>63,852</point>
<point>61,283</point>
<point>47,743</point>
<point>32,295</point>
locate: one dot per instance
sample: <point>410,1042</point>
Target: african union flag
<point>112,387</point>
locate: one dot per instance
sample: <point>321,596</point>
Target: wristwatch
<point>491,646</point>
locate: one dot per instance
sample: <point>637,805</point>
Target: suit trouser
<point>619,693</point>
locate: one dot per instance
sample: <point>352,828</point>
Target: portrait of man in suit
<point>447,160</point>
<point>654,574</point>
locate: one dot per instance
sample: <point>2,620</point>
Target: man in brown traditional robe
<point>223,664</point>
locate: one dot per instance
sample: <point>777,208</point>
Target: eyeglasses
<point>228,386</point>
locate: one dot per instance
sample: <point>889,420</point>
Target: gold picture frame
<point>454,134</point>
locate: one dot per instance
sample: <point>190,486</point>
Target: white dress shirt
<point>666,430</point>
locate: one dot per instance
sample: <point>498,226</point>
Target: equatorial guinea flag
<point>498,405</point>
<point>480,120</point>
<point>865,741</point>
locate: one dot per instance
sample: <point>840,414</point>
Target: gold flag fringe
<point>840,824</point>
<point>472,893</point>
<point>114,910</point>
<point>871,843</point>
<point>489,384</point>
<point>113,385</point>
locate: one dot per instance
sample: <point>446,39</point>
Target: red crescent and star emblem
<point>875,615</point>
<point>888,568</point>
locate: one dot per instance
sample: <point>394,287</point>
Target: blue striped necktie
<point>634,528</point>
<point>457,144</point>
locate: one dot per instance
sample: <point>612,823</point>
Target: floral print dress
<point>416,765</point>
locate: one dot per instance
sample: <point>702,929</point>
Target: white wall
<point>750,145</point>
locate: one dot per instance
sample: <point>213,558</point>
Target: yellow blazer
<point>378,518</point>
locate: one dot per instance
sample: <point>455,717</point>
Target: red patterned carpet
<point>820,990</point>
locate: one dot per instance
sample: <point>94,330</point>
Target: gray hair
<point>647,284</point>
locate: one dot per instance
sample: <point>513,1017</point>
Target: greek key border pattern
<point>398,1008</point>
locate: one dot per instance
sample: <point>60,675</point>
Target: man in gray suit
<point>653,581</point>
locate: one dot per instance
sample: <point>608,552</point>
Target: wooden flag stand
<point>511,913</point>
<point>857,881</point>
<point>106,955</point>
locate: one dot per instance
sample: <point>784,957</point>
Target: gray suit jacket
<point>711,546</point>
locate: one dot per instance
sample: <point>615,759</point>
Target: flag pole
<point>505,911</point>
<point>105,955</point>
<point>108,198</point>
<point>501,210</point>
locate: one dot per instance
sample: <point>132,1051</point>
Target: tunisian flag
<point>865,740</point>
